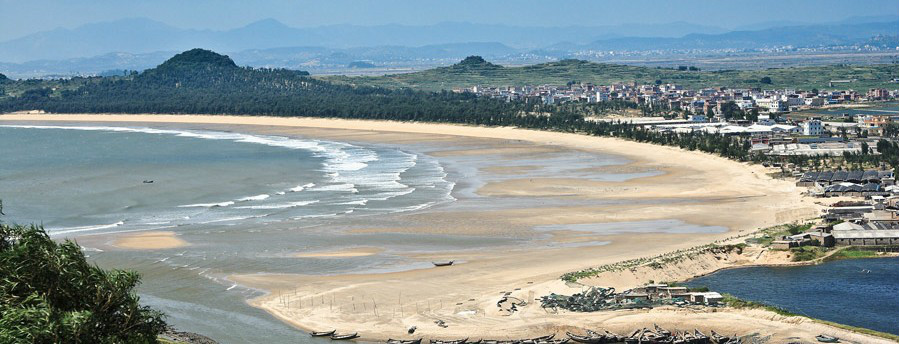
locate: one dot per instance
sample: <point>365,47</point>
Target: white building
<point>765,120</point>
<point>814,101</point>
<point>773,105</point>
<point>812,127</point>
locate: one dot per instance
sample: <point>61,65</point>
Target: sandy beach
<point>352,252</point>
<point>696,189</point>
<point>154,240</point>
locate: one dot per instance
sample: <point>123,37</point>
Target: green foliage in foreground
<point>49,293</point>
<point>473,72</point>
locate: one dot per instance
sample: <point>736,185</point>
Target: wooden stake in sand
<point>374,306</point>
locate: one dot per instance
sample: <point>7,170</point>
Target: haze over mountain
<point>142,35</point>
<point>800,36</point>
<point>140,43</point>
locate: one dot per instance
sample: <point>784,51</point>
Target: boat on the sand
<point>823,338</point>
<point>322,333</point>
<point>458,341</point>
<point>401,341</point>
<point>344,336</point>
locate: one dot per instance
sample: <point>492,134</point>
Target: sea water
<point>858,292</point>
<point>246,203</point>
<point>89,179</point>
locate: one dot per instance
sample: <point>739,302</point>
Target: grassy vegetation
<point>862,330</point>
<point>699,289</point>
<point>770,234</point>
<point>562,72</point>
<point>734,302</point>
<point>807,253</point>
<point>852,253</point>
<point>656,262</point>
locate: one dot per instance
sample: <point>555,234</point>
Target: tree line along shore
<point>203,82</point>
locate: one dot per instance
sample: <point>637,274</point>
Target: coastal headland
<point>715,199</point>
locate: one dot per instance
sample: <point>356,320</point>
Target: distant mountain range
<point>798,36</point>
<point>309,58</point>
<point>141,43</point>
<point>141,35</point>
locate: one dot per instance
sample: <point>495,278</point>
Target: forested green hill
<point>475,71</point>
<point>201,81</point>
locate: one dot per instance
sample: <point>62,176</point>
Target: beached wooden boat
<point>322,333</point>
<point>493,341</point>
<point>401,341</point>
<point>555,341</point>
<point>717,338</point>
<point>661,331</point>
<point>459,341</point>
<point>823,338</point>
<point>544,338</point>
<point>448,263</point>
<point>344,336</point>
<point>587,339</point>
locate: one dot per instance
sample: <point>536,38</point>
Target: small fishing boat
<point>148,182</point>
<point>587,339</point>
<point>322,333</point>
<point>717,338</point>
<point>554,341</point>
<point>344,336</point>
<point>459,341</point>
<point>544,338</point>
<point>448,263</point>
<point>823,338</point>
<point>400,341</point>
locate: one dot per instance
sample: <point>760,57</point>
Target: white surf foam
<point>66,230</point>
<point>337,188</point>
<point>301,187</point>
<point>207,205</point>
<point>359,202</point>
<point>348,168</point>
<point>254,198</point>
<point>278,205</point>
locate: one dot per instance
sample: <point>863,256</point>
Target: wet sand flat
<point>155,240</point>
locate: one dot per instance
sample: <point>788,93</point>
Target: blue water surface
<point>857,292</point>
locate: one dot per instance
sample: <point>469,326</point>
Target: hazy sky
<point>21,17</point>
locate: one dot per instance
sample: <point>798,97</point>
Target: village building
<point>706,298</point>
<point>866,237</point>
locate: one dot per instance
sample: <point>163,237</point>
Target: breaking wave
<point>351,178</point>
